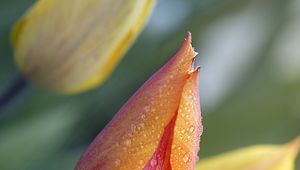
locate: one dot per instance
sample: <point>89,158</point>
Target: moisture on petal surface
<point>160,125</point>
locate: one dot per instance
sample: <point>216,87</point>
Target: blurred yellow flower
<point>261,157</point>
<point>70,46</point>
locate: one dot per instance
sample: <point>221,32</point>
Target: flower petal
<point>188,127</point>
<point>145,124</point>
<point>73,45</point>
<point>261,157</point>
<point>179,145</point>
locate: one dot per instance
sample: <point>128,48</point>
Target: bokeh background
<point>250,81</point>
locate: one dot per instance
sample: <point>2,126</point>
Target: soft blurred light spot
<point>294,8</point>
<point>167,18</point>
<point>228,48</point>
<point>286,51</point>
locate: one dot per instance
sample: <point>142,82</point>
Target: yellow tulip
<point>70,46</point>
<point>260,157</point>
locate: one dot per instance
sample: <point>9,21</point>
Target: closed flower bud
<point>70,46</point>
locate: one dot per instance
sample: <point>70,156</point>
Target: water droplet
<point>147,108</point>
<point>186,158</point>
<point>142,125</point>
<point>160,90</point>
<point>133,127</point>
<point>179,148</point>
<point>192,128</point>
<point>143,116</point>
<point>153,162</point>
<point>128,142</point>
<point>117,162</point>
<point>141,162</point>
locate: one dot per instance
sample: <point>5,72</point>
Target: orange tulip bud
<point>160,125</point>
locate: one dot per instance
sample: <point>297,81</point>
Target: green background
<point>245,100</point>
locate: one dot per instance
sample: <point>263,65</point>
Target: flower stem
<point>15,89</point>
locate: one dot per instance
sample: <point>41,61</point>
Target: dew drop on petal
<point>133,127</point>
<point>128,142</point>
<point>141,125</point>
<point>143,116</point>
<point>192,128</point>
<point>141,162</point>
<point>117,162</point>
<point>153,162</point>
<point>147,108</point>
<point>186,158</point>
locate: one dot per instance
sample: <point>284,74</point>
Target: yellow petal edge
<point>259,157</point>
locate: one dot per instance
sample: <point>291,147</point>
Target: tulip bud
<point>159,127</point>
<point>70,46</point>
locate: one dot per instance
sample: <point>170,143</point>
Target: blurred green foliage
<point>42,130</point>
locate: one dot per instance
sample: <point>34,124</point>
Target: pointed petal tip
<point>184,60</point>
<point>188,42</point>
<point>189,37</point>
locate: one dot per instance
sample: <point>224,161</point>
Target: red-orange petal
<point>188,127</point>
<point>179,145</point>
<point>139,128</point>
